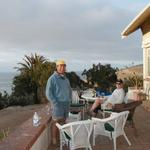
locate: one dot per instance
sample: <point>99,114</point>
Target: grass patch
<point>4,133</point>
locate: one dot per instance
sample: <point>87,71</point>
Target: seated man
<point>117,97</point>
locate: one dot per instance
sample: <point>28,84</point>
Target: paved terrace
<point>139,138</point>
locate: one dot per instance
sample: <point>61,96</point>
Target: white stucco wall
<point>43,141</point>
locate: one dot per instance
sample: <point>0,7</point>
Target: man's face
<point>61,68</point>
<point>119,85</point>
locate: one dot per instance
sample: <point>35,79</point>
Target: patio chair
<point>74,117</point>
<point>130,106</point>
<point>111,127</point>
<point>77,104</point>
<point>76,134</point>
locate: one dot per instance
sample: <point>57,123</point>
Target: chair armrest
<point>107,111</point>
<point>113,113</point>
<point>104,120</point>
<point>64,126</point>
<point>110,112</point>
<point>58,126</point>
<point>82,100</point>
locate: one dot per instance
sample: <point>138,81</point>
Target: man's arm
<point>117,97</point>
<point>50,90</point>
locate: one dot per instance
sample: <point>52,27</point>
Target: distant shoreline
<point>6,79</point>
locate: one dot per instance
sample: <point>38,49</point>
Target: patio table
<point>89,98</point>
<point>92,99</point>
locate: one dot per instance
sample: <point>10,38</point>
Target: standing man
<point>59,93</point>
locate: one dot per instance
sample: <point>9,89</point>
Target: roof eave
<point>136,22</point>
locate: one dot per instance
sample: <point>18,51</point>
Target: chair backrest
<point>120,121</point>
<point>75,97</point>
<point>78,132</point>
<point>115,124</point>
<point>131,106</point>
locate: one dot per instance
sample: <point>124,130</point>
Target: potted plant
<point>135,87</point>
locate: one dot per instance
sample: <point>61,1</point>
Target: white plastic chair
<point>111,127</point>
<point>76,134</point>
<point>74,117</point>
<point>77,102</point>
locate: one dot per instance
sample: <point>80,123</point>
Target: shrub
<point>103,75</point>
<point>4,100</point>
<point>4,133</point>
<point>21,100</point>
<point>135,81</point>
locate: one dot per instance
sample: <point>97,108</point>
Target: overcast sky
<point>82,32</point>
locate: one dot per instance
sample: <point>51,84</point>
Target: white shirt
<point>117,97</point>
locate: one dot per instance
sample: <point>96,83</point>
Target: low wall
<point>28,137</point>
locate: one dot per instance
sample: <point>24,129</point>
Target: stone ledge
<point>26,134</point>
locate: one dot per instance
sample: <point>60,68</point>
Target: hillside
<point>126,72</point>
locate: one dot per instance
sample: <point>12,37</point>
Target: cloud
<point>80,31</point>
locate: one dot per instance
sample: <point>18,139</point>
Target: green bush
<point>4,100</point>
<point>75,80</point>
<point>4,133</point>
<point>134,80</point>
<point>21,100</point>
<point>104,76</point>
<point>34,73</point>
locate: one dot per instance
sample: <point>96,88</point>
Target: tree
<point>34,73</point>
<point>103,75</point>
<point>74,79</point>
<point>4,100</point>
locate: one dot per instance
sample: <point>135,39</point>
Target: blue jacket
<point>58,89</point>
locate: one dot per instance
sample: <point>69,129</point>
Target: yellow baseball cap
<point>60,62</point>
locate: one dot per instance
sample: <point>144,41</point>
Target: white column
<point>146,48</point>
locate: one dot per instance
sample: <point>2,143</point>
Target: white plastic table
<point>88,98</point>
<point>92,99</point>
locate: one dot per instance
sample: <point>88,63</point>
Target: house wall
<point>145,27</point>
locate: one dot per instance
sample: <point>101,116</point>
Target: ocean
<point>6,79</point>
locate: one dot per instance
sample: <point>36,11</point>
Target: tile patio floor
<point>139,138</point>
